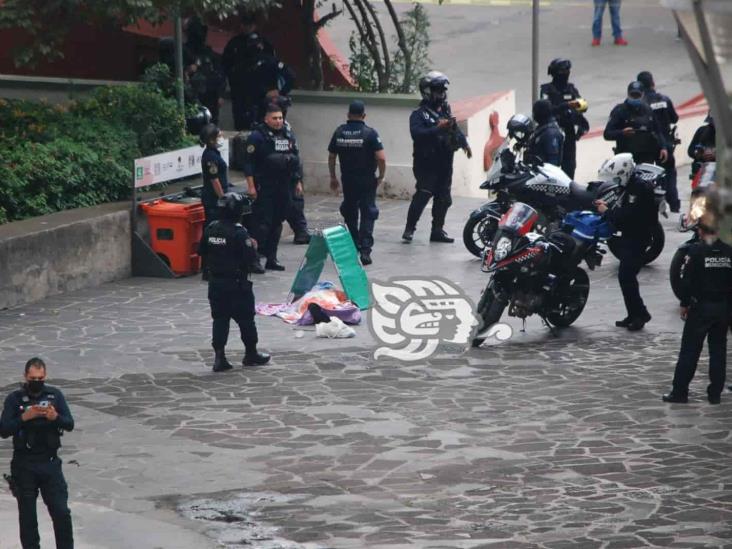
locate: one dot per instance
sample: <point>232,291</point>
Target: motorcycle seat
<point>581,195</point>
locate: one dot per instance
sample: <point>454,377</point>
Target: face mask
<point>561,80</point>
<point>633,102</point>
<point>35,386</point>
<point>710,240</point>
<point>220,142</point>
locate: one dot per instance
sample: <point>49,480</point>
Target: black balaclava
<point>542,111</point>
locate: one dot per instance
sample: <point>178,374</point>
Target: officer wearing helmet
<point>703,146</point>
<point>666,117</point>
<point>547,141</point>
<point>636,215</point>
<point>214,168</point>
<point>205,73</point>
<point>635,130</point>
<point>228,251</point>
<point>567,103</point>
<point>435,137</point>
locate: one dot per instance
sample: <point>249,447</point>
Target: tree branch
<point>402,42</point>
<point>371,42</point>
<point>383,86</point>
<point>320,23</point>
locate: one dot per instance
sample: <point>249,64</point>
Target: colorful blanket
<point>332,301</point>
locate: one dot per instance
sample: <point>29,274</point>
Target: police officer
<point>547,141</point>
<point>36,416</point>
<point>703,145</point>
<point>215,171</point>
<point>238,61</point>
<point>274,173</point>
<point>665,115</point>
<point>229,250</point>
<point>634,128</point>
<point>565,98</point>
<point>207,79</point>
<point>296,216</point>
<point>359,150</point>
<point>435,138</point>
<point>706,279</point>
<point>636,215</point>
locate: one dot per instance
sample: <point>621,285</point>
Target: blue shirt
<point>355,143</point>
<point>213,167</point>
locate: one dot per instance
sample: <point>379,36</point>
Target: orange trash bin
<point>176,228</point>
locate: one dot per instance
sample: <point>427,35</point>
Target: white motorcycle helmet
<point>617,169</point>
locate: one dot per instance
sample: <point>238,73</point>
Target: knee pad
<point>444,200</point>
<point>372,212</point>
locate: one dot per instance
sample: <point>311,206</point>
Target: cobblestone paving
<point>568,448</point>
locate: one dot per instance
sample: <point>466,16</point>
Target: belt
<point>237,277</point>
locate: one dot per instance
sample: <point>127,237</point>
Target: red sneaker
<point>621,41</point>
<point>595,42</point>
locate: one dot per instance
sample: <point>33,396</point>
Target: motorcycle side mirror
<point>486,185</point>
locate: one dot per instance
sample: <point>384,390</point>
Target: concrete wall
<point>315,115</point>
<point>63,252</point>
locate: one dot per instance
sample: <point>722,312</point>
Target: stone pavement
<point>537,442</point>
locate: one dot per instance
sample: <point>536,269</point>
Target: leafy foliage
<point>47,22</point>
<point>57,157</point>
<point>401,75</point>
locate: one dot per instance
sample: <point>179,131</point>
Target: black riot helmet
<point>433,87</point>
<point>542,111</point>
<point>559,66</point>
<point>233,205</point>
<point>520,127</point>
<point>646,79</point>
<point>196,31</point>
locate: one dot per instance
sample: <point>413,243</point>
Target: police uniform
<point>665,115</point>
<point>636,216</point>
<point>238,61</point>
<point>547,143</point>
<point>705,137</point>
<point>355,143</point>
<point>36,465</point>
<point>229,251</point>
<point>433,153</point>
<point>706,283</point>
<point>213,167</point>
<point>573,124</point>
<point>208,82</point>
<point>647,142</point>
<point>272,158</point>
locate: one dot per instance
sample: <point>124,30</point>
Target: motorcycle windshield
<point>519,219</point>
<point>497,165</point>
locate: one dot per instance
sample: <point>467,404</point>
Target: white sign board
<point>163,167</point>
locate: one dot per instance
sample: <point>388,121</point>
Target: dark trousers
<point>359,198</point>
<point>672,192</point>
<point>36,474</point>
<point>232,299</point>
<point>705,320</point>
<point>569,157</point>
<point>243,111</point>
<point>431,184</point>
<point>273,203</point>
<point>296,215</point>
<point>631,261</point>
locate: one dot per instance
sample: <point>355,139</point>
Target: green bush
<point>82,154</point>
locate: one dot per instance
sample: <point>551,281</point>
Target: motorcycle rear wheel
<point>490,309</point>
<point>570,299</point>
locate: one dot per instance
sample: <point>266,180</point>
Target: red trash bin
<point>176,228</point>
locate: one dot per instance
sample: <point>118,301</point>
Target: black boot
<point>440,236</point>
<point>255,358</point>
<point>302,238</point>
<point>623,323</point>
<point>256,267</point>
<point>220,362</point>
<point>408,234</point>
<point>274,265</point>
<point>366,258</point>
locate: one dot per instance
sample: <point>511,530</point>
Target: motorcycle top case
<point>588,226</point>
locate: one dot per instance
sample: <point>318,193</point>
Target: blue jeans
<point>614,18</point>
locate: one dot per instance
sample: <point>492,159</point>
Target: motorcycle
<point>533,273</point>
<point>548,189</point>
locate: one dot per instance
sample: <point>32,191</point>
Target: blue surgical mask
<point>633,102</point>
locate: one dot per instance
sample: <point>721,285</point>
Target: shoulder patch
<point>213,169</point>
<point>251,148</point>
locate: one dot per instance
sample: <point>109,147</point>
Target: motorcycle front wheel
<point>653,250</point>
<point>490,309</point>
<point>569,299</point>
<point>478,233</point>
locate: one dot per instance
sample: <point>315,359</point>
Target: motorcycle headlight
<point>502,248</point>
